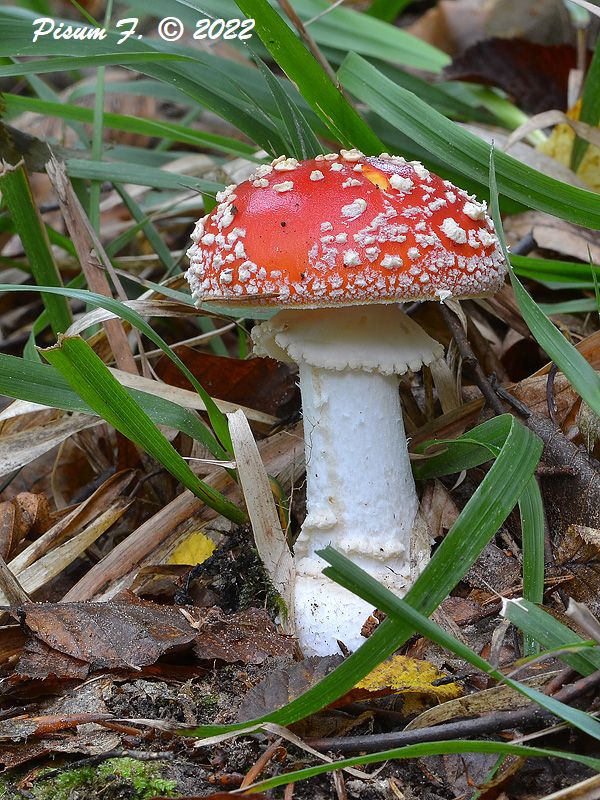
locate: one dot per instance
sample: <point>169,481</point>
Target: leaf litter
<point>120,646</point>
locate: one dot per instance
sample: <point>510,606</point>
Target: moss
<point>115,779</point>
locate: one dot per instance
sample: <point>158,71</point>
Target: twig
<point>10,586</point>
<point>552,407</point>
<point>309,41</point>
<point>90,253</point>
<point>525,245</point>
<point>469,359</point>
<point>323,13</point>
<point>273,750</point>
<point>531,715</point>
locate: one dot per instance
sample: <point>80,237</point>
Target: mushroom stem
<point>361,495</point>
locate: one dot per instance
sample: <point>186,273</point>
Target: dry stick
<point>309,41</point>
<point>558,450</point>
<point>469,359</point>
<point>257,768</point>
<point>89,251</point>
<point>491,723</point>
<point>10,586</point>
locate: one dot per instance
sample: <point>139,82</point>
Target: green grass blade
<point>347,574</point>
<point>130,124</point>
<point>469,450</point>
<point>531,509</point>
<point>553,271</point>
<point>465,151</point>
<point>581,375</point>
<point>18,197</point>
<point>35,382</point>
<point>92,381</point>
<point>387,10</point>
<point>217,419</point>
<point>480,519</point>
<point>63,64</point>
<point>121,172</point>
<point>552,635</point>
<point>301,141</point>
<point>422,751</point>
<point>590,108</point>
<point>328,102</point>
<point>582,306</point>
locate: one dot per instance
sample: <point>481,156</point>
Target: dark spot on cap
<point>283,224</point>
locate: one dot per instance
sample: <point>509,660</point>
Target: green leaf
<point>552,635</point>
<point>301,141</point>
<point>40,383</point>
<point>463,150</point>
<point>300,66</point>
<point>18,197</point>
<point>553,271</point>
<point>59,64</point>
<point>121,172</point>
<point>351,576</point>
<point>531,509</point>
<point>387,10</point>
<point>89,377</point>
<point>422,751</point>
<point>130,124</point>
<point>590,108</point>
<point>217,419</point>
<point>480,519</point>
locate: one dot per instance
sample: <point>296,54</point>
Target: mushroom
<point>338,242</point>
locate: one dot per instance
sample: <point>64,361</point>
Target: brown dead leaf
<point>284,683</point>
<point>438,508</point>
<point>73,639</point>
<point>534,76</point>
<point>578,554</point>
<point>454,25</point>
<point>248,636</point>
<point>551,233</point>
<point>261,383</point>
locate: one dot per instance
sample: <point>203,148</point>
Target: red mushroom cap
<point>339,230</point>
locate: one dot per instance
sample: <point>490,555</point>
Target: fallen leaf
<point>560,144</point>
<point>410,677</point>
<point>534,76</point>
<point>551,233</point>
<point>284,683</point>
<point>195,549</point>
<point>131,633</point>
<point>578,554</point>
<point>454,25</point>
<point>18,449</point>
<point>260,383</point>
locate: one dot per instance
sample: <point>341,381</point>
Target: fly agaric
<point>337,243</point>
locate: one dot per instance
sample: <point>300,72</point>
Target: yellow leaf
<point>193,550</point>
<point>409,677</point>
<point>559,145</point>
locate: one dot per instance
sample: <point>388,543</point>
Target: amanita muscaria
<point>337,243</point>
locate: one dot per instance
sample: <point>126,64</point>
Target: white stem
<point>361,495</point>
<point>361,498</point>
